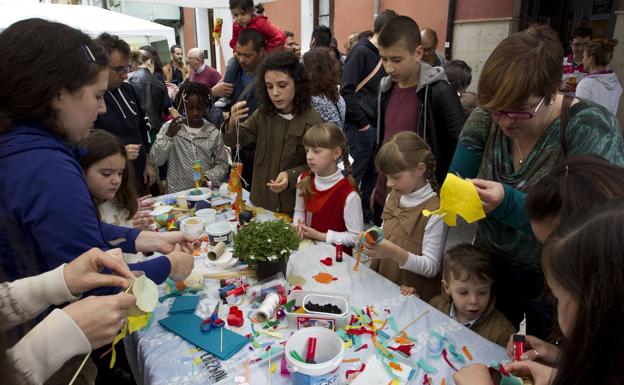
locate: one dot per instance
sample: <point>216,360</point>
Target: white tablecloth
<point>162,358</point>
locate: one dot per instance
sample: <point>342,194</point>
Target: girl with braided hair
<point>328,207</point>
<point>411,253</point>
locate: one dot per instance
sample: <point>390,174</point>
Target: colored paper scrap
<point>138,322</point>
<point>405,349</point>
<point>458,197</point>
<point>445,356</point>
<point>324,278</point>
<point>426,367</point>
<point>184,304</point>
<point>458,357</point>
<point>188,327</point>
<point>353,371</point>
<point>296,280</point>
<point>365,346</point>
<point>467,353</point>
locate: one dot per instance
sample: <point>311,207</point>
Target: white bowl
<point>161,210</point>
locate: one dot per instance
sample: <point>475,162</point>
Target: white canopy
<point>90,20</point>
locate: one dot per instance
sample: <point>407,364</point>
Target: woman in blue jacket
<point>47,216</point>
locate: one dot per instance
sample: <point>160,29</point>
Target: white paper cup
<point>193,226</point>
<point>209,215</point>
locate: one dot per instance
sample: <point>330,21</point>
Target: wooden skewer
<point>84,361</point>
<point>408,325</point>
<point>231,274</point>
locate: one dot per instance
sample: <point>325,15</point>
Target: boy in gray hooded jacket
<point>414,97</point>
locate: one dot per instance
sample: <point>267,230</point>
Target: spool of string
<point>268,307</point>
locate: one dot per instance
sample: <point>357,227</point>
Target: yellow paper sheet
<point>458,197</point>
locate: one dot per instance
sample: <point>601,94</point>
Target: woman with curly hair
<point>277,127</point>
<point>324,72</point>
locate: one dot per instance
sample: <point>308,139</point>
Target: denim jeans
<point>362,146</point>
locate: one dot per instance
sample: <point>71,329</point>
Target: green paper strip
<point>426,367</point>
<point>458,357</point>
<point>343,335</point>
<point>437,335</point>
<point>392,324</point>
<point>289,305</point>
<point>273,351</point>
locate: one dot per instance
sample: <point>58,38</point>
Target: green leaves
<point>271,241</point>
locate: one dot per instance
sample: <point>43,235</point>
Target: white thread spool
<point>268,307</point>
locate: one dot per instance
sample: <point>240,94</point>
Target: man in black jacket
<point>125,116</point>
<point>361,75</point>
<point>414,97</point>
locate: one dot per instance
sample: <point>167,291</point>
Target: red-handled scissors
<point>213,322</point>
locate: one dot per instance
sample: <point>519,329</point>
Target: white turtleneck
<point>353,217</point>
<point>429,263</point>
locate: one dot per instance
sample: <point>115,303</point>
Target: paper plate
<point>224,262</point>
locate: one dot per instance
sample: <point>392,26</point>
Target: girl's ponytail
<point>259,9</point>
<point>305,186</point>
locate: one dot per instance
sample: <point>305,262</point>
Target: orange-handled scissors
<point>213,322</point>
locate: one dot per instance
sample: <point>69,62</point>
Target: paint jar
<point>328,357</point>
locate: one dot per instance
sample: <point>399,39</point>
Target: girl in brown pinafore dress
<point>411,253</point>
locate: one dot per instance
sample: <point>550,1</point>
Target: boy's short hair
<point>465,261</point>
<point>322,35</point>
<point>384,17</point>
<point>400,29</point>
<point>583,32</point>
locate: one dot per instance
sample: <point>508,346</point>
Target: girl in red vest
<point>328,207</point>
<point>411,253</point>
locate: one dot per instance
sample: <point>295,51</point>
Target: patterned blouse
<point>330,111</point>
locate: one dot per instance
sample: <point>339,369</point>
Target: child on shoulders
<point>411,252</point>
<point>247,15</point>
<point>190,138</point>
<point>328,207</point>
<point>467,298</point>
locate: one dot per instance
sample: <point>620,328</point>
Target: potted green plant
<point>266,246</point>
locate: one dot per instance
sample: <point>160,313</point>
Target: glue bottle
<point>339,251</point>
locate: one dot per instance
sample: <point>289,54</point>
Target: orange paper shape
<point>235,186</point>
<point>324,278</point>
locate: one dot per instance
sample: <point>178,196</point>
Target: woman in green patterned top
<point>510,142</point>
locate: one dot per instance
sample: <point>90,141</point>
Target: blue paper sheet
<point>188,326</point>
<point>184,304</point>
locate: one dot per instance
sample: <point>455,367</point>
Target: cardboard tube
<point>216,252</point>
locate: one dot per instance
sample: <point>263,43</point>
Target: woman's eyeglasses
<point>518,114</point>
